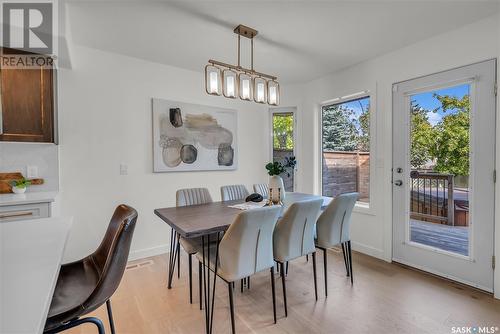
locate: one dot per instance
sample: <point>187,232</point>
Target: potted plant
<point>276,185</point>
<point>19,186</point>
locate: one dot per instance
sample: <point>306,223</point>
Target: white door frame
<point>401,96</point>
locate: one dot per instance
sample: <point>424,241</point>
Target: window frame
<point>360,207</point>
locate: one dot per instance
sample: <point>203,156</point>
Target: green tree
<point>422,137</point>
<point>364,126</point>
<point>339,129</point>
<point>452,136</point>
<point>283,131</point>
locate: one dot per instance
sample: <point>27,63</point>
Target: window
<point>345,132</point>
<point>283,143</point>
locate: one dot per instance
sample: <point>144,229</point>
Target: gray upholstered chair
<point>294,237</point>
<point>333,228</point>
<point>233,192</point>
<point>245,249</point>
<point>185,197</point>
<point>261,188</point>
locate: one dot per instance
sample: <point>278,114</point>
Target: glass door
<point>443,173</point>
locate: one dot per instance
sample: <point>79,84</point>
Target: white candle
<point>260,92</point>
<point>246,89</point>
<point>214,86</point>
<point>272,95</point>
<point>230,86</point>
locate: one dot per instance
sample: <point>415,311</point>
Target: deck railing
<point>432,197</point>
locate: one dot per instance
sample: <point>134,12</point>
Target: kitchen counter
<point>28,198</point>
<point>31,253</point>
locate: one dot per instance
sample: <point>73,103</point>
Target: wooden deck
<point>449,238</point>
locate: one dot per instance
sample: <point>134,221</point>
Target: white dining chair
<point>262,189</point>
<point>233,192</point>
<point>294,237</point>
<point>333,229</point>
<point>245,249</point>
<point>186,197</point>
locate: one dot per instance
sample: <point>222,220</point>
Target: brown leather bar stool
<point>85,285</point>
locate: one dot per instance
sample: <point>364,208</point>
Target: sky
<point>428,102</point>
<point>425,100</point>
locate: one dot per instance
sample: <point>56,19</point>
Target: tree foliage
<point>446,144</point>
<point>343,131</point>
<point>364,126</point>
<point>283,131</point>
<point>339,131</point>
<point>421,137</point>
<point>452,136</point>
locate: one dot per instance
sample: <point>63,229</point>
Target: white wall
<point>105,119</point>
<point>372,230</point>
<point>15,157</point>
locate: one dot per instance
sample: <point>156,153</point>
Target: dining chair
<point>233,192</point>
<point>245,249</point>
<point>186,197</point>
<point>294,237</point>
<point>85,285</point>
<point>333,229</point>
<point>261,188</point>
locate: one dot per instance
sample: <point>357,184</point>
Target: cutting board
<point>6,178</point>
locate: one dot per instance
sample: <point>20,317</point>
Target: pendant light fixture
<point>236,81</point>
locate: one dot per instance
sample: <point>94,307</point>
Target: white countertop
<point>31,253</point>
<point>28,198</point>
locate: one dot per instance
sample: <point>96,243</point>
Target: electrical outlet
<point>32,172</point>
<point>123,169</point>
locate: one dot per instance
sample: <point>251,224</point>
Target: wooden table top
<point>196,220</point>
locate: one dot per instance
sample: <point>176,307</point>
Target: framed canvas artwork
<point>192,137</point>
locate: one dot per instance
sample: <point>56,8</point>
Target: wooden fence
<point>346,172</point>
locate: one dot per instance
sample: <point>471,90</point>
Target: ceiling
<point>298,40</point>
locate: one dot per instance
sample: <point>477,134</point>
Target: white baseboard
<point>164,249</point>
<point>148,252</point>
<point>368,250</point>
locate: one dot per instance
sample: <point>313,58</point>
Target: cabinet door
<point>27,97</point>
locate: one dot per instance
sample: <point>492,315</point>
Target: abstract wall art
<point>191,137</point>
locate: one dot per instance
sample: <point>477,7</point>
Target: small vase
<point>276,189</point>
<point>17,190</point>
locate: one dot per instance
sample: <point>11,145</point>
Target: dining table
<point>208,222</point>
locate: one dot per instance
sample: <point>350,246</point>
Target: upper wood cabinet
<point>27,104</point>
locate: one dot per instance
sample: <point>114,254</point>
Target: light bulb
<point>230,86</point>
<point>260,92</point>
<point>246,89</point>
<point>272,95</point>
<point>214,82</point>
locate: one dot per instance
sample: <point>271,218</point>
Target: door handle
<point>398,183</point>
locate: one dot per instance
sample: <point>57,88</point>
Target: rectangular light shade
<point>246,90</point>
<point>229,83</point>
<point>212,80</point>
<point>274,93</point>
<point>260,93</point>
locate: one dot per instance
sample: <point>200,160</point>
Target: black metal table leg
<point>209,296</point>
<point>174,252</point>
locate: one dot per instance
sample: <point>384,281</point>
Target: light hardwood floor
<point>385,298</point>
